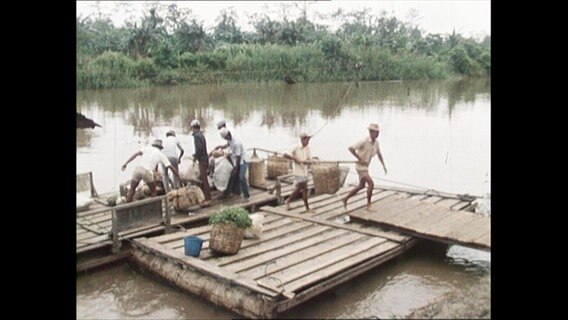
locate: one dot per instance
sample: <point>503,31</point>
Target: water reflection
<point>84,137</point>
<point>279,104</point>
<point>141,121</point>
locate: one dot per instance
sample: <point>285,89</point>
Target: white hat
<point>195,123</point>
<point>158,144</point>
<point>373,126</point>
<point>221,123</point>
<point>224,132</point>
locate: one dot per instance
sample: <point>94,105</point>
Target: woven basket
<point>276,166</point>
<point>226,238</point>
<point>256,172</point>
<point>183,199</point>
<point>326,178</point>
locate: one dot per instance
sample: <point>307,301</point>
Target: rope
<point>336,109</point>
<point>427,191</point>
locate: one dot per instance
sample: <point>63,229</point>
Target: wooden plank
<point>358,201</point>
<point>484,240</point>
<point>288,295</point>
<point>326,284</point>
<point>102,225</point>
<point>93,263</point>
<point>285,225</point>
<point>291,260</point>
<point>383,206</point>
<point>320,262</point>
<point>143,232</point>
<point>123,206</point>
<point>433,217</point>
<point>448,203</point>
<point>313,243</point>
<point>418,197</point>
<point>93,246</point>
<point>418,213</point>
<point>322,214</point>
<point>299,203</point>
<point>203,266</point>
<point>139,230</point>
<point>461,205</point>
<point>377,250</point>
<point>474,231</point>
<point>97,217</point>
<point>396,209</point>
<point>478,226</point>
<point>284,232</point>
<point>391,207</point>
<point>432,199</point>
<point>451,222</point>
<point>96,239</point>
<point>259,250</point>
<point>430,192</point>
<point>333,224</point>
<point>205,213</point>
<point>95,229</point>
<point>86,236</point>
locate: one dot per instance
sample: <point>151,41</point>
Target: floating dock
<point>431,221</point>
<point>298,256</point>
<point>101,231</point>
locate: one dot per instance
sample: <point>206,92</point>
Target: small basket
<point>226,238</point>
<point>326,177</point>
<point>276,166</point>
<point>256,171</point>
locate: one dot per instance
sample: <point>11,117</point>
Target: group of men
<point>166,155</point>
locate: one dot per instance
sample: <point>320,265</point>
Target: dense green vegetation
<point>168,46</point>
<point>233,215</point>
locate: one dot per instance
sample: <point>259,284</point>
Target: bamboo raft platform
<point>103,226</point>
<point>431,221</point>
<point>298,256</point>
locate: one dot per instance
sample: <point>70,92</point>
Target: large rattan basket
<point>256,172</point>
<point>276,166</point>
<point>326,177</point>
<point>226,238</point>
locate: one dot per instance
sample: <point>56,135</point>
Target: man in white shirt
<point>364,150</point>
<point>171,144</point>
<point>151,156</point>
<point>239,159</point>
<point>300,155</point>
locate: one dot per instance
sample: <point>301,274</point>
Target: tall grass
<point>270,62</point>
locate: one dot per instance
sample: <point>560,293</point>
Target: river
<point>434,135</point>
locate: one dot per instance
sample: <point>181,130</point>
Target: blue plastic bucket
<point>192,246</point>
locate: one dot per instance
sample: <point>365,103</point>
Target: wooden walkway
<point>435,220</point>
<point>298,256</point>
<point>94,228</point>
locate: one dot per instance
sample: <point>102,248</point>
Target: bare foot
<point>371,208</point>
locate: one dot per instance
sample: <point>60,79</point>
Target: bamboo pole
<point>310,161</point>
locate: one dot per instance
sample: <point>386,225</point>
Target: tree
<point>227,29</point>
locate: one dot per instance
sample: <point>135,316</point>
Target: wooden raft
<point>297,257</point>
<point>439,220</point>
<point>94,227</point>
